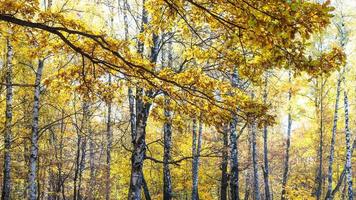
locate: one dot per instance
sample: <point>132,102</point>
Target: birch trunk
<point>256,184</point>
<point>348,165</point>
<point>234,152</point>
<point>194,150</point>
<point>167,129</point>
<point>319,177</point>
<point>286,158</point>
<point>249,171</point>
<point>32,177</point>
<point>139,144</point>
<point>167,183</point>
<point>83,150</point>
<point>265,150</point>
<point>142,112</point>
<point>77,170</point>
<point>91,188</point>
<point>234,161</point>
<point>146,191</point>
<point>54,187</point>
<point>108,150</point>
<point>6,187</point>
<point>332,145</point>
<point>138,133</point>
<point>197,140</point>
<point>224,164</point>
<point>342,175</point>
<point>61,179</point>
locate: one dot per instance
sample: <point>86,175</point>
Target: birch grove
<point>177,99</point>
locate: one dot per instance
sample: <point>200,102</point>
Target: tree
<point>32,176</point>
<point>196,148</point>
<point>117,72</point>
<point>348,149</point>
<point>288,141</point>
<point>6,189</point>
<point>265,148</point>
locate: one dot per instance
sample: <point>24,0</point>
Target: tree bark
<point>91,188</point>
<point>138,131</point>
<point>224,164</point>
<point>286,158</point>
<point>234,151</point>
<point>76,171</point>
<point>139,144</point>
<point>265,150</point>
<point>234,160</point>
<point>342,175</point>
<point>142,112</point>
<point>82,162</point>
<point>146,191</point>
<point>54,179</point>
<point>167,129</point>
<point>6,187</point>
<point>319,177</point>
<point>256,188</point>
<point>167,182</point>
<point>332,145</point>
<point>197,140</point>
<point>108,150</point>
<point>348,165</point>
<point>32,177</point>
<point>247,186</point>
<point>249,171</point>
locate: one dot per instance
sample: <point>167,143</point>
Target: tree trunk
<point>139,144</point>
<point>146,191</point>
<point>61,179</point>
<point>83,149</point>
<point>167,129</point>
<point>167,183</point>
<point>32,177</point>
<point>348,168</point>
<point>194,173</point>
<point>53,179</point>
<point>332,145</point>
<point>77,165</point>
<point>80,165</point>
<point>234,161</point>
<point>138,133</point>
<point>265,150</point>
<point>6,187</point>
<point>91,188</point>
<point>142,112</point>
<point>249,170</point>
<point>286,158</point>
<point>256,184</point>
<point>247,186</point>
<point>342,175</point>
<point>319,177</point>
<point>108,150</point>
<point>196,155</point>
<point>234,151</point>
<point>224,164</point>
<point>76,171</point>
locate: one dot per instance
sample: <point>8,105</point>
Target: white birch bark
<point>197,140</point>
<point>348,164</point>
<point>32,177</point>
<point>286,158</point>
<point>6,187</point>
<point>333,136</point>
